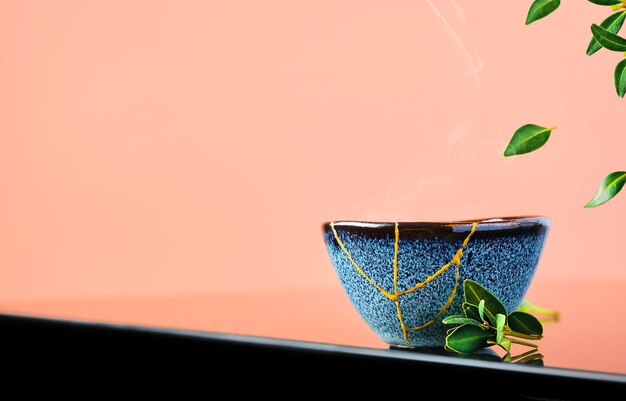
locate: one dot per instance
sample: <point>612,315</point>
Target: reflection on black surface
<point>532,357</point>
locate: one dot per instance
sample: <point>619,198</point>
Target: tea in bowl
<point>404,278</point>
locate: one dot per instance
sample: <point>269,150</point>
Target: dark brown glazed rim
<point>458,226</point>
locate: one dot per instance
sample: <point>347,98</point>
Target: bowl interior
<point>483,224</point>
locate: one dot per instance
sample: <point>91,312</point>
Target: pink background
<point>186,147</point>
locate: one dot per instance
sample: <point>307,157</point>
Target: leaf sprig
<point>612,24</point>
<point>613,41</point>
<point>485,323</point>
<point>531,137</point>
<point>604,35</point>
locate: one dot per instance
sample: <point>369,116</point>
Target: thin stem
<point>526,343</point>
<point>546,314</point>
<point>508,331</point>
<point>616,7</point>
<point>522,335</point>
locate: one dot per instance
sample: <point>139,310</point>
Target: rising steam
<point>402,199</point>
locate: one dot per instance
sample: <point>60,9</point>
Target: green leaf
<point>475,292</point>
<point>620,78</point>
<point>471,311</point>
<point>541,8</point>
<point>525,323</point>
<point>481,310</point>
<point>609,187</point>
<point>607,39</point>
<point>505,343</point>
<point>459,319</point>
<point>500,320</point>
<point>612,24</point>
<point>605,2</point>
<point>467,339</point>
<point>527,138</point>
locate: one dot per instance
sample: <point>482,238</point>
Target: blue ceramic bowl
<point>404,278</point>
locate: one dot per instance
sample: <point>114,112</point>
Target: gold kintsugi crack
<point>395,296</point>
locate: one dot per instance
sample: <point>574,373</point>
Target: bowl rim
<point>484,223</point>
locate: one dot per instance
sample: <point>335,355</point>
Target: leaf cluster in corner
<point>531,137</point>
<point>485,322</point>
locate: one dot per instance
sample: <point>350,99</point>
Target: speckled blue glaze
<point>502,255</point>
